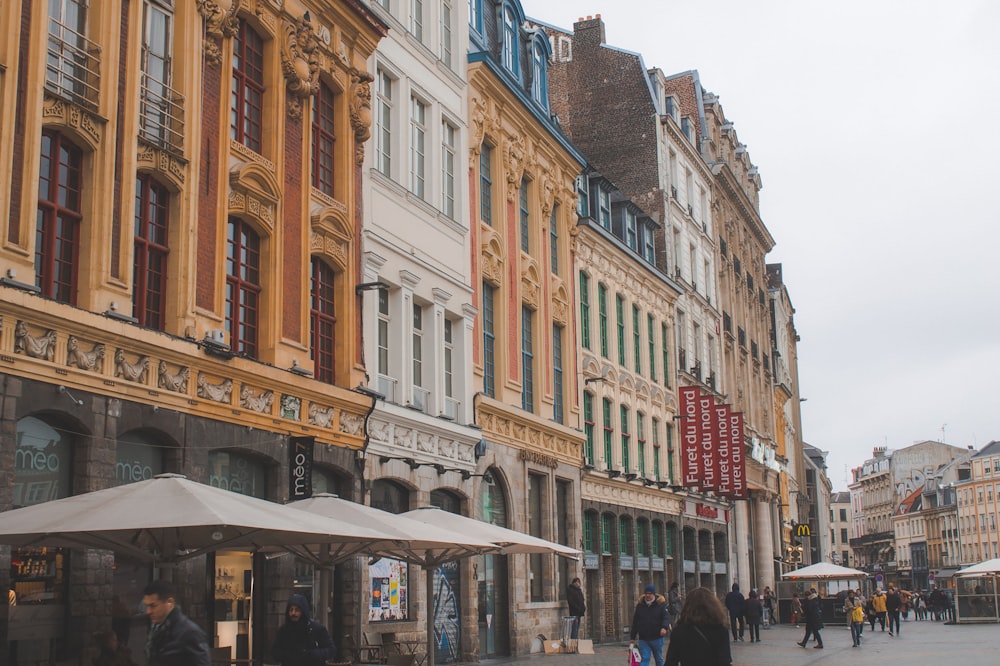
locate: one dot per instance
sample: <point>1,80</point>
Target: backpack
<point>858,614</point>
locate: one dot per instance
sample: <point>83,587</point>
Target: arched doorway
<point>447,602</point>
<point>492,578</point>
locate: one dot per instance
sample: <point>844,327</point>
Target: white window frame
<point>418,146</point>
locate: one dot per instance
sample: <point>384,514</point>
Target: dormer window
<point>604,208</point>
<point>670,106</point>
<point>582,199</point>
<point>539,85</point>
<point>510,44</point>
<point>686,128</point>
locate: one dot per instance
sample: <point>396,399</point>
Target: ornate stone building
<point>522,171</point>
<point>180,245</point>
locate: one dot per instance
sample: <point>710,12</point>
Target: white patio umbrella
<point>824,571</point>
<point>507,542</point>
<point>982,569</point>
<point>170,518</point>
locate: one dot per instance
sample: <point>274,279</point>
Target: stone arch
<point>493,258</point>
<point>331,236</point>
<point>254,193</point>
<point>560,304</point>
<point>531,286</point>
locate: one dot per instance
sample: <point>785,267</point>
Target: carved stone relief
<point>299,62</point>
<point>291,406</point>
<point>351,424</point>
<point>221,392</point>
<point>321,416</point>
<point>43,346</point>
<point>514,153</point>
<point>361,111</point>
<point>256,402</point>
<point>133,372</point>
<point>85,360</point>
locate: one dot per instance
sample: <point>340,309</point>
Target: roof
<point>912,502</point>
<point>991,449</point>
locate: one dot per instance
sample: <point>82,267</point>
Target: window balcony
<point>420,399</point>
<point>387,387</point>
<point>72,67</point>
<point>161,116</point>
<point>451,408</point>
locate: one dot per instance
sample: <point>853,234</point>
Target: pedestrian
<point>753,613</point>
<point>302,641</point>
<point>796,609</point>
<point>650,623</point>
<point>857,620</point>
<point>893,603</point>
<point>111,652</point>
<point>919,606</point>
<point>734,604</point>
<point>675,601</point>
<point>173,639</point>
<point>878,603</point>
<point>850,604</point>
<point>577,606</point>
<point>699,639</point>
<point>863,602</point>
<point>814,619</point>
<point>936,603</point>
<point>767,600</point>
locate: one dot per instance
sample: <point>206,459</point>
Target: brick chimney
<point>589,31</point>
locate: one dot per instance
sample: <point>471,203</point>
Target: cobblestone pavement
<point>919,643</point>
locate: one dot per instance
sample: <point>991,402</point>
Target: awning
<point>945,573</point>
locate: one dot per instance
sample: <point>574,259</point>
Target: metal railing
<point>72,67</point>
<point>161,115</point>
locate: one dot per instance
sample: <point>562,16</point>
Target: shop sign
<point>626,562</point>
<point>300,460</point>
<point>642,563</point>
<point>657,564</point>
<point>591,560</point>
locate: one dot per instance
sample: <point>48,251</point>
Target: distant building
<point>979,507</point>
<point>817,490</point>
<point>840,528</point>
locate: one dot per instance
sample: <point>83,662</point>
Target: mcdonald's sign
<point>801,530</point>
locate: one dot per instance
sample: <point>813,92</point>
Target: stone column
<point>741,536</point>
<point>763,542</point>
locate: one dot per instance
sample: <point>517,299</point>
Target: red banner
<point>737,454</point>
<point>706,439</point>
<point>723,446</point>
<point>690,455</point>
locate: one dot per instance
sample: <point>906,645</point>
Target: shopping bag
<point>634,658</point>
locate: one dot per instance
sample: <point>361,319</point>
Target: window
<point>631,231</point>
<point>448,133</point>
<point>418,135</point>
<point>417,19</point>
<point>554,239</point>
<point>588,428</point>
<point>323,139</point>
<point>670,106</point>
<point>607,527</point>
<point>476,15</point>
<point>589,530</point>
<point>636,339</point>
<point>71,68</point>
<point>656,540</point>
<point>383,147</point>
<point>647,244</point>
<point>527,360</point>
<point>510,41</point>
<point>149,276</point>
<point>651,344</point>
<point>57,234</point>
<point>536,505</point>
<point>557,374</point>
<point>655,427</point>
<point>383,332</point>
<point>620,320</point>
<point>385,606</point>
<point>160,113</point>
<point>670,452</point>
<point>604,208</point>
<point>524,216</point>
<point>626,438</point>
<point>449,354</point>
<point>584,310</point>
<point>246,108</point>
<point>539,85</point>
<point>446,36</point>
<point>609,433</point>
<point>602,316</point>
<point>417,341</point>
<point>665,353</point>
<point>642,538</point>
<point>323,320</point>
<point>489,341</point>
<point>640,443</point>
<point>486,184</point>
<point>624,536</point>
<point>242,287</point>
<point>843,535</point>
<point>582,198</point>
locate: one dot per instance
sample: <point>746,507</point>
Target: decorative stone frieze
<point>221,392</point>
<point>41,346</point>
<point>299,62</point>
<point>85,360</point>
<point>320,415</point>
<point>137,371</point>
<point>256,400</point>
<point>176,381</point>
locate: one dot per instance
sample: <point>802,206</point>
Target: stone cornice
<point>613,491</point>
<point>520,430</point>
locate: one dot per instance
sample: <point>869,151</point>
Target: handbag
<point>634,658</point>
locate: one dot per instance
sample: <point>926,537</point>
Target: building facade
<point>178,292</point>
<point>840,528</point>
<point>978,499</point>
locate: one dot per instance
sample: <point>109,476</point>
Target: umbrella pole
<point>429,584</point>
<point>325,586</point>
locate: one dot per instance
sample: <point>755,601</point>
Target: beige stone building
<point>979,507</point>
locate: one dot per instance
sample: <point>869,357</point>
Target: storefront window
<point>237,473</point>
<point>138,458</point>
<point>325,481</point>
<point>42,463</point>
<point>388,580</point>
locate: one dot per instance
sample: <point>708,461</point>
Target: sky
<point>872,125</point>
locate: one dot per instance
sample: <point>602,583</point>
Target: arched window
<point>447,501</point>
<point>243,287</point>
<point>494,503</point>
<point>247,103</point>
<point>237,473</point>
<point>323,139</point>
<point>510,40</point>
<point>57,233</point>
<point>323,320</point>
<point>149,277</point>
<point>328,481</point>
<point>43,463</point>
<point>539,82</point>
<point>138,457</point>
<point>390,496</point>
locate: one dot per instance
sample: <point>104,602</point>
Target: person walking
<point>851,603</point>
<point>650,623</point>
<point>893,604</point>
<point>814,620</point>
<point>699,637</point>
<point>173,639</point>
<point>767,600</point>
<point>577,606</point>
<point>857,621</point>
<point>753,612</point>
<point>878,604</point>
<point>734,604</point>
<point>301,640</point>
<point>863,602</point>
<point>796,609</point>
<point>675,601</point>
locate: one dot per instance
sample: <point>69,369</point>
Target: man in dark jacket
<point>173,640</point>
<point>577,605</point>
<point>302,641</point>
<point>650,623</point>
<point>734,604</point>
<point>892,606</point>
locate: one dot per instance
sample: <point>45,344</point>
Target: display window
<point>237,473</point>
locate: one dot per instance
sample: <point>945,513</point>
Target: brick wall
<point>208,190</point>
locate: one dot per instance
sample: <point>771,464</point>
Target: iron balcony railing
<point>72,68</point>
<point>161,115</point>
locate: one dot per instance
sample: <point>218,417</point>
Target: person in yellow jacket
<point>878,604</point>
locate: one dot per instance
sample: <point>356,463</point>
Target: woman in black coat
<point>814,619</point>
<point>753,611</point>
<point>577,605</point>
<point>700,636</point>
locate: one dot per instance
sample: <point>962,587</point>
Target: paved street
<point>933,643</point>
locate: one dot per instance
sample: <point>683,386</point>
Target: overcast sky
<point>872,124</point>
